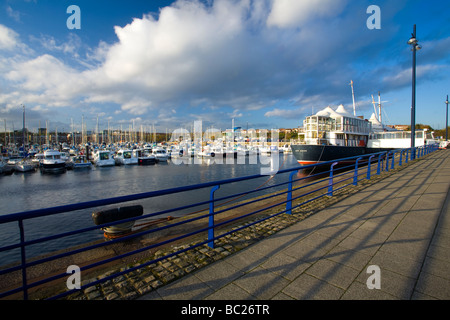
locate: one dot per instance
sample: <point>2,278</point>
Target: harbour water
<point>21,192</point>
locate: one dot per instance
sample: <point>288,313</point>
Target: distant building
<point>400,127</point>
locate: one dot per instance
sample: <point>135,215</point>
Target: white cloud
<point>285,113</point>
<point>8,38</point>
<point>288,13</point>
<point>13,13</point>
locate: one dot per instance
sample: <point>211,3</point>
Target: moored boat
<point>80,162</point>
<point>25,166</point>
<point>160,154</point>
<point>336,134</point>
<point>103,158</point>
<point>125,157</point>
<point>52,161</point>
<point>145,157</point>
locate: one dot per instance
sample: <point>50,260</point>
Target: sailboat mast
<point>379,106</point>
<point>353,96</point>
<point>23,129</point>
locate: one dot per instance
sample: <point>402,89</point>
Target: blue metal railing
<point>339,178</point>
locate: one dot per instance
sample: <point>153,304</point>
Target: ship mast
<point>379,106</point>
<point>353,96</point>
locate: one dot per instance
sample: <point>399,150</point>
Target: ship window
<point>419,134</point>
<point>104,156</point>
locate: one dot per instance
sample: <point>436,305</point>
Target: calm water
<point>27,191</point>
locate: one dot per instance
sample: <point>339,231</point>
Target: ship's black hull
<point>314,154</point>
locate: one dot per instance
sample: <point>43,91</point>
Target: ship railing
<point>286,197</point>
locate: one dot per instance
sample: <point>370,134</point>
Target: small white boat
<point>80,162</point>
<point>14,159</point>
<point>24,166</point>
<point>103,158</point>
<point>145,157</point>
<point>2,164</point>
<point>125,157</point>
<point>52,161</point>
<point>160,154</point>
<point>37,159</point>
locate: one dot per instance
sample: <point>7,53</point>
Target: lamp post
<point>446,120</point>
<point>415,47</point>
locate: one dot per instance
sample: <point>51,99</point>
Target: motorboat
<point>52,161</point>
<point>81,162</point>
<point>37,159</point>
<point>103,158</point>
<point>125,157</point>
<point>160,154</point>
<point>24,166</point>
<point>146,157</point>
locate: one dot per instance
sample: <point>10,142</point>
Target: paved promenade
<point>393,236</point>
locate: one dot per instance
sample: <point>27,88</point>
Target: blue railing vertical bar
<point>330,181</point>
<point>379,162</point>
<point>355,176</point>
<point>289,193</point>
<point>23,260</point>
<point>369,167</point>
<point>211,217</point>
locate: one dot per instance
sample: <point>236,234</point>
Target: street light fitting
<point>412,40</point>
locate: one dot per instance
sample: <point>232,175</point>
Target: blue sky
<point>264,63</point>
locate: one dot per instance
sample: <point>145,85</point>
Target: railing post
<point>23,260</point>
<point>387,160</point>
<point>368,167</point>
<point>289,194</point>
<point>406,158</point>
<point>401,156</point>
<point>355,176</point>
<point>379,164</point>
<point>330,180</point>
<point>393,159</point>
<point>211,217</point>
